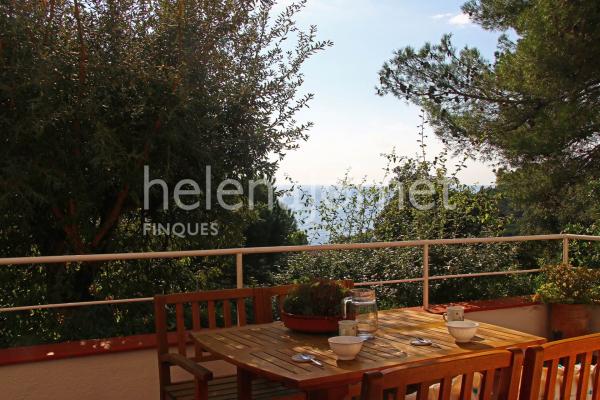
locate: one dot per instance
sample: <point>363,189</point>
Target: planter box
<point>569,320</point>
<point>310,324</point>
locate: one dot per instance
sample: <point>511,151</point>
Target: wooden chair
<point>501,365</point>
<point>547,357</point>
<point>207,310</point>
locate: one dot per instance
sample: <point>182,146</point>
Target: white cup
<point>454,313</point>
<point>348,327</point>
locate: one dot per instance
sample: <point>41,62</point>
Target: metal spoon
<point>419,341</point>
<point>304,357</point>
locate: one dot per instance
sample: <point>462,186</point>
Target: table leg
<point>335,393</point>
<point>244,384</point>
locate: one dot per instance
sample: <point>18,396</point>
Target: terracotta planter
<point>310,324</point>
<point>569,320</point>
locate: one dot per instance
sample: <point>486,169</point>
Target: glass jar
<point>361,306</point>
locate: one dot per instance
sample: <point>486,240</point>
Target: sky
<point>354,126</point>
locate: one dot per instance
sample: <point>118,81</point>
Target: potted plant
<point>569,291</point>
<point>314,306</point>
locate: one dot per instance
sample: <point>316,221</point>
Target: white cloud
<point>442,16</point>
<point>460,20</point>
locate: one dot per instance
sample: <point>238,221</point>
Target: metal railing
<point>240,252</point>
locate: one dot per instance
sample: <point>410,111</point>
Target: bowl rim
<point>462,324</point>
<point>345,340</point>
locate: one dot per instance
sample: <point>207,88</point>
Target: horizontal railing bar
<point>583,237</point>
<point>278,249</point>
<point>268,249</point>
<point>375,283</point>
<point>77,304</point>
<point>477,274</point>
<point>438,277</point>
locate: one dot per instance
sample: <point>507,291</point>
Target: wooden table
<point>265,350</point>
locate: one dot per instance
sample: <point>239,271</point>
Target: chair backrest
<point>214,309</point>
<point>569,361</point>
<point>394,381</point>
<point>204,310</point>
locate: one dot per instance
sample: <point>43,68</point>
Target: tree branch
<point>112,218</point>
<point>70,229</point>
<point>82,48</point>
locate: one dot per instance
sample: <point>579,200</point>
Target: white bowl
<point>346,347</point>
<point>462,331</point>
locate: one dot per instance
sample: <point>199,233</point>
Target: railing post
<point>425,276</point>
<point>239,270</point>
<point>565,251</point>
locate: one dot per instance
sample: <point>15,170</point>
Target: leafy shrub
<point>321,298</point>
<point>566,284</point>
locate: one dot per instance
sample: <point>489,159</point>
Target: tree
<point>352,213</point>
<point>272,226</point>
<point>535,109</point>
<point>91,91</point>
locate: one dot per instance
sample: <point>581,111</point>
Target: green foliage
<point>93,90</point>
<point>97,89</point>
<point>272,226</point>
<point>535,108</point>
<point>565,284</point>
<point>322,298</point>
<point>385,212</point>
<point>495,14</point>
<point>583,252</point>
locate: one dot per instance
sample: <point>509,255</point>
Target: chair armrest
<point>188,365</point>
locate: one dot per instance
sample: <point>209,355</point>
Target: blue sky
<point>353,126</point>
